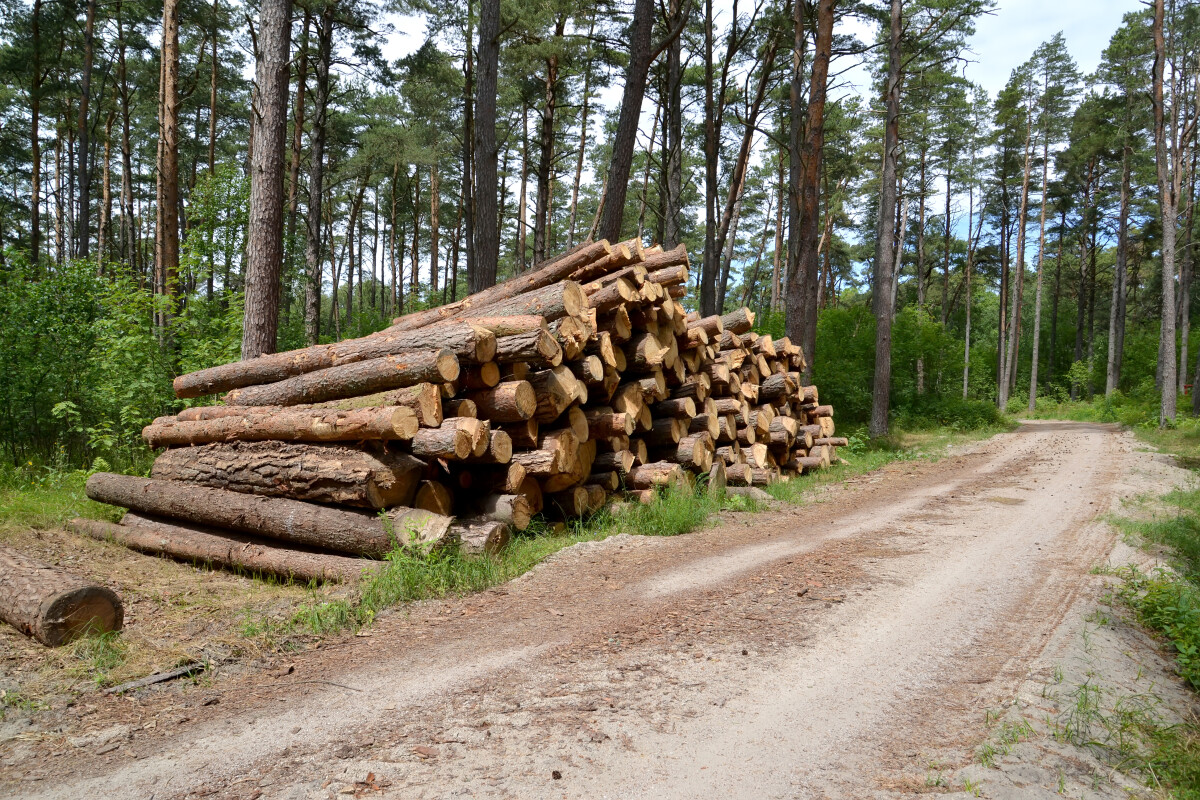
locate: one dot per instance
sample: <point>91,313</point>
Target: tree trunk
<point>1037,301</point>
<point>583,136</point>
<point>435,203</point>
<point>167,232</point>
<point>673,134</point>
<point>313,258</point>
<point>1116,311</point>
<point>314,472</point>
<point>35,142</point>
<point>268,123</point>
<point>802,283</point>
<point>297,130</point>
<point>293,521</point>
<point>885,253</point>
<point>83,171</point>
<point>1018,279</point>
<point>202,544</point>
<point>472,344</point>
<point>625,138</point>
<point>1169,200</point>
<point>53,606</point>
<point>486,246</point>
<point>541,225</point>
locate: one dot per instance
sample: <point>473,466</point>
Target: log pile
<point>547,394</point>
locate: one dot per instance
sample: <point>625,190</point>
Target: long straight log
<point>363,377</point>
<point>293,521</point>
<point>470,343</point>
<point>207,545</point>
<point>314,472</point>
<point>424,399</point>
<point>51,605</point>
<point>542,275</point>
<point>290,426</point>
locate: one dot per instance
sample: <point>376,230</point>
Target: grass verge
<point>1166,601</point>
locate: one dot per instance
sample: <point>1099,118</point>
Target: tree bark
<point>203,544</point>
<point>51,605</point>
<point>625,138</point>
<point>83,171</point>
<point>1168,199</point>
<point>349,380</point>
<point>325,425</point>
<point>471,344</point>
<point>167,232</point>
<point>486,246</point>
<point>885,253</point>
<point>803,281</point>
<point>268,124</point>
<point>293,521</point>
<point>321,473</point>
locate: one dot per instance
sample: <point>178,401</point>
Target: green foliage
<point>1170,605</point>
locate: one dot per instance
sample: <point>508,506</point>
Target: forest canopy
<point>183,184</point>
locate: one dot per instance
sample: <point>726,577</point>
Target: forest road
<point>823,650</point>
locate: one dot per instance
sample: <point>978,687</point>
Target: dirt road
<point>829,650</point>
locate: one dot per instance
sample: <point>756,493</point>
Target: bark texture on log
<point>425,399</point>
<point>396,422</point>
<point>363,377</point>
<point>207,545</point>
<point>470,343</point>
<point>293,521</point>
<point>313,472</point>
<point>51,605</point>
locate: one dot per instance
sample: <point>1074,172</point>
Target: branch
<point>672,34</point>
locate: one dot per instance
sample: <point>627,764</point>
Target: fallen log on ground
<point>202,544</point>
<point>287,520</point>
<point>51,605</point>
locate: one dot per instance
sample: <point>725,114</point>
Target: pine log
<point>670,258</point>
<point>669,276</point>
<point>201,544</point>
<point>471,344</point>
<point>544,274</point>
<point>619,292</point>
<point>603,422</point>
<point>461,407</point>
<point>831,441</point>
<point>739,322</point>
<point>658,473</point>
<point>363,377</point>
<point>764,477</point>
<point>435,497</point>
<point>597,496</point>
<point>562,299</point>
<point>497,449</point>
<point>454,439</point>
<point>513,509</point>
<point>484,479</point>
<point>777,387</point>
<point>540,463</point>
<point>705,423</point>
<point>315,472</point>
<point>666,431</point>
<point>554,390</point>
<point>508,402</point>
<point>423,398</point>
<point>524,435</point>
<point>644,352</point>
<point>620,461</point>
<point>747,436</point>
<point>287,425</point>
<point>482,536</point>
<point>508,326</point>
<point>293,521</point>
<point>609,481</point>
<point>694,451</point>
<point>757,456</point>
<point>684,407</point>
<point>537,346</point>
<point>572,502</point>
<point>806,463</point>
<point>589,369</point>
<point>51,605</point>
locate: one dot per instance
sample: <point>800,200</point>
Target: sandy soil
<point>867,645</point>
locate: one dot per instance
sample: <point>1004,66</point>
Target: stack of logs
<point>549,393</point>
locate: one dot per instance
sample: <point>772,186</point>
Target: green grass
<point>40,497</point>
